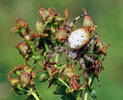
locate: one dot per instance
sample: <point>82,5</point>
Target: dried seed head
<point>78,38</point>
<point>61,35</point>
<point>39,27</point>
<point>69,71</point>
<point>44,76</point>
<point>44,13</point>
<point>13,81</point>
<point>23,48</point>
<point>24,78</point>
<point>87,22</point>
<point>21,23</point>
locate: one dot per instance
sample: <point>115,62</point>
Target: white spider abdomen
<point>78,38</point>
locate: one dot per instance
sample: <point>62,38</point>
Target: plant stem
<point>56,59</point>
<point>63,83</point>
<point>86,96</point>
<point>89,84</point>
<point>78,97</point>
<point>45,45</point>
<point>32,49</point>
<point>34,94</point>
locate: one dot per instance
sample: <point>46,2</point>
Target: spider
<point>79,43</point>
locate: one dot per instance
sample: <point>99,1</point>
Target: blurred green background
<point>107,14</point>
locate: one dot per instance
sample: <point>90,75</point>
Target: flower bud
<point>44,14</point>
<point>61,35</point>
<point>24,78</point>
<point>58,20</point>
<point>87,22</point>
<point>43,76</point>
<point>69,71</point>
<point>13,81</point>
<point>39,26</point>
<point>23,48</point>
<point>20,23</point>
<point>27,37</point>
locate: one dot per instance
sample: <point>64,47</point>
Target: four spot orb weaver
<point>79,45</point>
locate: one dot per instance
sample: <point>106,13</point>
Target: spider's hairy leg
<point>73,22</point>
<point>98,78</point>
<point>83,66</point>
<point>55,51</point>
<point>91,42</point>
<point>51,51</point>
<point>90,59</point>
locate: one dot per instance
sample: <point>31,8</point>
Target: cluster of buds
<point>22,78</point>
<point>54,39</point>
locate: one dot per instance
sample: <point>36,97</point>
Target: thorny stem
<point>34,94</point>
<point>63,83</point>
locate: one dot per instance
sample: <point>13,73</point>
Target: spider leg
<point>98,78</point>
<point>91,42</point>
<point>82,64</point>
<point>73,22</point>
<point>55,51</point>
<point>90,59</point>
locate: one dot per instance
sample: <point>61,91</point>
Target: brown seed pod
<point>23,48</point>
<point>61,35</point>
<point>87,22</point>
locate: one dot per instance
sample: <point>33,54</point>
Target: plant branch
<point>86,96</point>
<point>45,45</point>
<point>63,83</point>
<point>34,94</point>
<point>56,59</point>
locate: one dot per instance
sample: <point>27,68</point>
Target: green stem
<point>40,64</point>
<point>86,96</point>
<point>45,45</point>
<point>56,59</point>
<point>89,84</point>
<point>78,97</point>
<point>32,49</point>
<point>63,83</point>
<point>34,94</point>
